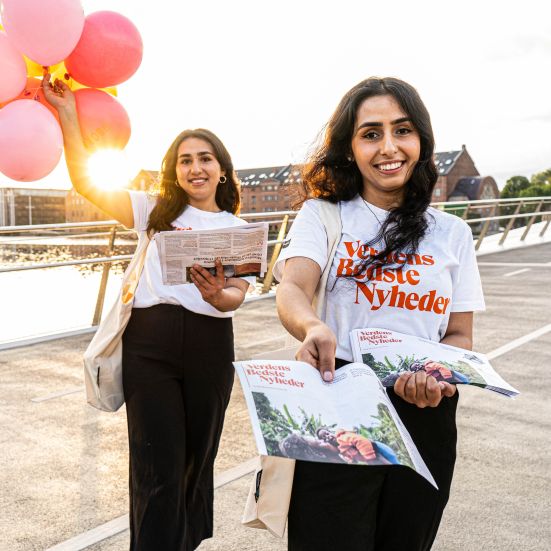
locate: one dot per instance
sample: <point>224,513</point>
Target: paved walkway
<point>63,465</point>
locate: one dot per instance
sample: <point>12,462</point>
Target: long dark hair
<point>172,199</point>
<point>329,174</point>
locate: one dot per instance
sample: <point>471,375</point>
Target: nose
<point>388,146</point>
<point>195,166</point>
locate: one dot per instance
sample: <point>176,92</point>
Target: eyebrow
<point>190,155</point>
<point>397,121</point>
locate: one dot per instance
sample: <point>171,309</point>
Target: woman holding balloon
<point>177,383</point>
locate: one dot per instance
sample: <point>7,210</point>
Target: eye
<point>404,131</point>
<point>371,135</point>
<point>206,159</point>
<point>185,161</point>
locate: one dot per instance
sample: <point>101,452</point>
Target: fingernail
<point>327,376</point>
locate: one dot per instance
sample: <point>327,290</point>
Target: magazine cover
<point>389,354</point>
<point>295,414</point>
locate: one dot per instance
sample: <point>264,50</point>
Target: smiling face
<point>198,173</point>
<point>386,148</point>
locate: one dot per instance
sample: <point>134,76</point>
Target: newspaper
<point>389,354</point>
<point>242,250</point>
<point>295,414</point>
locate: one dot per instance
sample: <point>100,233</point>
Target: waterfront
<point>36,302</point>
<point>52,300</point>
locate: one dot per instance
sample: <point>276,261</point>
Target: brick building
<point>26,206</point>
<point>459,179</point>
<point>268,189</point>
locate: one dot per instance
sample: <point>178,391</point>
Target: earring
<point>349,158</point>
<point>176,183</point>
<point>222,180</point>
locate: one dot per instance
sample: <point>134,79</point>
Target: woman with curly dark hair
<point>178,345</point>
<point>401,265</point>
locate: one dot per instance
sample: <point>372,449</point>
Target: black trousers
<point>377,508</point>
<point>177,377</point>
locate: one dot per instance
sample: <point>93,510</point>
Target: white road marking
<point>120,524</point>
<point>516,272</point>
<point>58,394</point>
<point>525,264</point>
<point>519,342</point>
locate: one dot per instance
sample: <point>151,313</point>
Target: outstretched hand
<point>422,390</point>
<point>58,94</point>
<point>318,349</point>
<point>210,286</point>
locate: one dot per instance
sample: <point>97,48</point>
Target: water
<point>55,299</point>
<point>49,300</point>
<point>45,301</point>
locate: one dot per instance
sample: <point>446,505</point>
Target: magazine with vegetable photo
<point>389,354</point>
<point>351,421</point>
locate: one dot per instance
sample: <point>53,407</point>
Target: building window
<point>437,192</point>
<point>253,199</point>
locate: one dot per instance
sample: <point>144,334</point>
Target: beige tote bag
<point>267,505</point>
<point>103,357</point>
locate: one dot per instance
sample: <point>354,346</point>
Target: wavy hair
<point>172,199</point>
<point>329,174</point>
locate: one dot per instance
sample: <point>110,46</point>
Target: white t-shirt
<point>415,298</point>
<point>150,289</point>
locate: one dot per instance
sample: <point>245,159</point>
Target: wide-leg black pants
<point>177,377</point>
<point>377,508</point>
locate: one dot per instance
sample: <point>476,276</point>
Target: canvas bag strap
<point>134,270</point>
<point>330,214</point>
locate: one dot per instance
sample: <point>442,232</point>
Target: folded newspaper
<point>242,250</point>
<point>295,414</point>
<point>389,354</point>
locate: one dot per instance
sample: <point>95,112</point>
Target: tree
<point>541,178</point>
<point>514,186</point>
<point>536,190</point>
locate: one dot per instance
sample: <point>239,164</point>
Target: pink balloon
<point>109,51</point>
<point>103,120</point>
<point>46,31</point>
<point>31,141</point>
<point>13,71</point>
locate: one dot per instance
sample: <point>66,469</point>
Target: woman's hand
<point>318,349</point>
<point>210,286</point>
<point>58,95</point>
<point>422,390</point>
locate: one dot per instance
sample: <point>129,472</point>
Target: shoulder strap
<point>330,214</point>
<point>134,270</point>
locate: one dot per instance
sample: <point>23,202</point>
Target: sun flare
<point>109,169</point>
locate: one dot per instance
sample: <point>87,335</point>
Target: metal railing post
<point>544,229</point>
<point>510,223</point>
<point>104,276</point>
<point>484,229</point>
<point>269,277</point>
<point>531,221</point>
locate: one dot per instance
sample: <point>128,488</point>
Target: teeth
<point>390,166</point>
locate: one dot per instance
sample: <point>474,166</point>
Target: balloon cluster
<point>91,54</point>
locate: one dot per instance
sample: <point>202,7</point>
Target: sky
<point>266,76</point>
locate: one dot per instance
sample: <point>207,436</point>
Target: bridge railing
<point>485,216</point>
